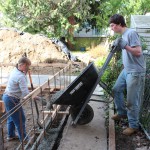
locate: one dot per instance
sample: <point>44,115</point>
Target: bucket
<point>82,49</point>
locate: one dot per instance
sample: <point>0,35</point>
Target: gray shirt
<point>17,84</point>
<point>132,63</point>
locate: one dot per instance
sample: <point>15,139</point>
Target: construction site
<point>71,111</point>
<point>45,120</point>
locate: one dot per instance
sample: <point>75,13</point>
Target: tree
<point>57,19</point>
<point>44,16</point>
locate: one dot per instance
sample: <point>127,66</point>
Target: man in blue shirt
<point>132,77</point>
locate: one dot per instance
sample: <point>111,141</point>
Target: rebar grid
<point>58,81</point>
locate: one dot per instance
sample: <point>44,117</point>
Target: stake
<point>32,88</point>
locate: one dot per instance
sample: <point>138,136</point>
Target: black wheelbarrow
<point>78,93</point>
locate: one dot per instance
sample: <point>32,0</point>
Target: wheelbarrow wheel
<point>86,116</point>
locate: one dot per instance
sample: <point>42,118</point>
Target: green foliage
<point>51,18</point>
<point>88,43</point>
<point>125,7</point>
<point>100,61</point>
<point>44,16</point>
<point>144,43</point>
<point>111,73</point>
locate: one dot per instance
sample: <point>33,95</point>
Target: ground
<point>136,141</point>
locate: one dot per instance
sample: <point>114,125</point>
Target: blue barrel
<point>82,49</point>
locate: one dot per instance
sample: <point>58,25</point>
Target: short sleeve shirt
<point>132,63</point>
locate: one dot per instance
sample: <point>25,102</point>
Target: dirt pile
<point>13,44</point>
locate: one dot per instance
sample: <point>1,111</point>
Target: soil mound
<point>13,44</point>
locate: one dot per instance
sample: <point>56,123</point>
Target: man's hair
<point>24,60</point>
<point>117,19</point>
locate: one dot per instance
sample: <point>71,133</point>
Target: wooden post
<point>1,138</point>
<point>2,107</point>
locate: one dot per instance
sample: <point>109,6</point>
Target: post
<point>1,137</point>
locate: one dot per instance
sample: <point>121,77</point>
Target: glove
<point>116,42</point>
<point>122,43</point>
<point>115,46</point>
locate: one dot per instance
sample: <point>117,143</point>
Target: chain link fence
<point>145,110</point>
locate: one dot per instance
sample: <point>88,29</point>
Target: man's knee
<point>115,89</point>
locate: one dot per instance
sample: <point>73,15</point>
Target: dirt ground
<point>30,122</point>
<point>38,48</point>
<point>136,141</point>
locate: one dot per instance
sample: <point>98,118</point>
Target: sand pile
<point>13,44</point>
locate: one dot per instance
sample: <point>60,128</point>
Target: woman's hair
<point>24,60</point>
<point>117,19</point>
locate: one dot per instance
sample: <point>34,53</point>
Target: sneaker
<point>12,138</point>
<point>117,117</point>
<point>129,131</point>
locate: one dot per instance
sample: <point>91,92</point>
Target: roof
<point>140,21</point>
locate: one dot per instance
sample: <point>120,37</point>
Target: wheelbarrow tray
<point>78,91</point>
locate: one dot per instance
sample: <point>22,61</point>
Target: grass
<point>99,51</point>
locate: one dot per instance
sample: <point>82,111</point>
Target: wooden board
<point>2,107</point>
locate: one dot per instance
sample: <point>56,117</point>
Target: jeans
<point>17,119</point>
<point>134,84</point>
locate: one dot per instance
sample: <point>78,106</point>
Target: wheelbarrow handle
<point>107,61</point>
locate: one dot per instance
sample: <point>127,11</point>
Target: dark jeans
<point>17,119</point>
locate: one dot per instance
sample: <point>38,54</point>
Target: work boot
<point>129,131</point>
<point>12,138</point>
<point>117,117</point>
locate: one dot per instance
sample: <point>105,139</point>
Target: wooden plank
<point>52,114</point>
<point>59,112</point>
<point>1,138</point>
<point>41,136</point>
<point>112,143</point>
<point>2,107</point>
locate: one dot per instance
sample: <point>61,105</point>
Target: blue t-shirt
<point>132,63</point>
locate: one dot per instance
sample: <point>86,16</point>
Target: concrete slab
<point>98,91</point>
<point>36,79</point>
<point>91,136</point>
<point>98,88</point>
<point>40,79</point>
<point>96,97</point>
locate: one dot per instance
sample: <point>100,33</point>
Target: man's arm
<point>136,50</point>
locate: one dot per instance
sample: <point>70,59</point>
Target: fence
<point>145,111</point>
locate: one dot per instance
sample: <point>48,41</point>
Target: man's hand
<point>115,46</point>
<point>120,43</point>
<point>116,42</point>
